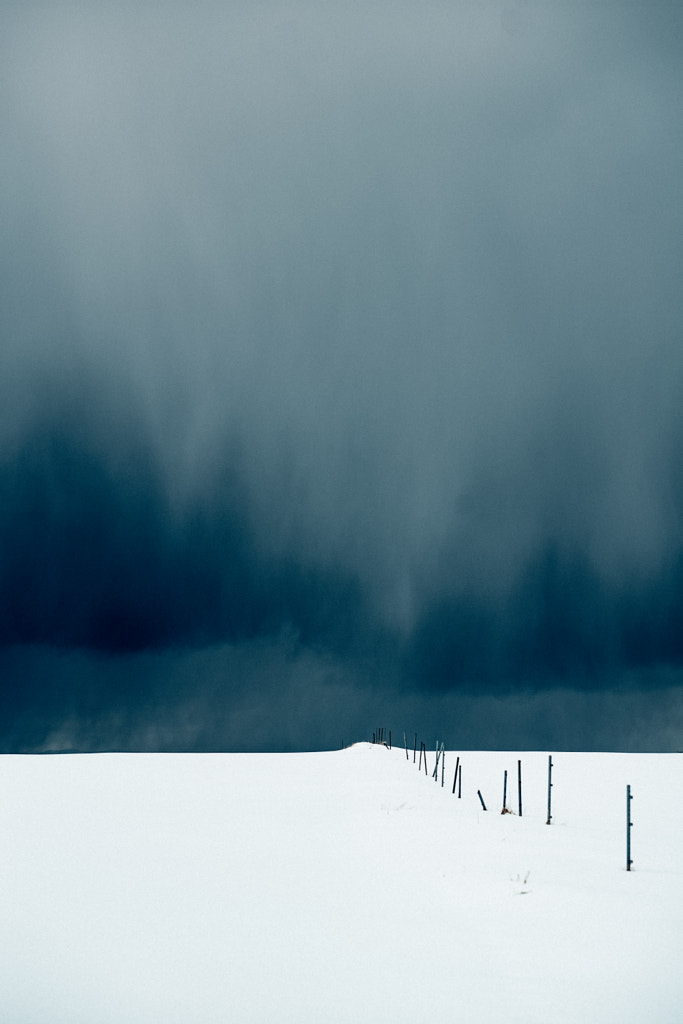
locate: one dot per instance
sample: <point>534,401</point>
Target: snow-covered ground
<point>340,886</point>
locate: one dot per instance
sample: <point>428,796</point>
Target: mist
<point>340,373</point>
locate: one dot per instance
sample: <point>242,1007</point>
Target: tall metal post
<point>629,826</point>
<point>519,785</point>
<point>550,784</point>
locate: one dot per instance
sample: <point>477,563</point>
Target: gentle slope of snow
<point>338,886</point>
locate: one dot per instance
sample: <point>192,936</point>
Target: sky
<point>341,374</point>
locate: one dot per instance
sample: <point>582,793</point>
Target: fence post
<point>455,777</point>
<point>629,826</point>
<point>443,764</point>
<point>519,785</point>
<point>505,788</point>
<point>481,798</point>
<point>415,749</point>
<point>550,784</point>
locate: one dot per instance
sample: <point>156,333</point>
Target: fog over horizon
<point>341,374</point>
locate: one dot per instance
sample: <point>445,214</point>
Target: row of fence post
<point>379,737</point>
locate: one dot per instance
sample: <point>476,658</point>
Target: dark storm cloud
<point>357,325</point>
<point>95,557</point>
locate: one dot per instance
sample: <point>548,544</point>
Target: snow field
<point>341,886</point>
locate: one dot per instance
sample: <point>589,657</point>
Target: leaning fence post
<point>550,784</point>
<point>481,798</point>
<point>629,826</point>
<point>455,777</point>
<point>439,754</point>
<point>519,785</point>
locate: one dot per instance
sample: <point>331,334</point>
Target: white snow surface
<point>339,886</point>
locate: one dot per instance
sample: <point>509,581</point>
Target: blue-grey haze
<point>341,374</point>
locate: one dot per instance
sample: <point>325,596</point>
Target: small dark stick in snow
<point>505,789</point>
<point>550,784</point>
<point>481,798</point>
<point>455,777</point>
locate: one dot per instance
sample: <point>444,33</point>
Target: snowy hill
<point>340,886</point>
